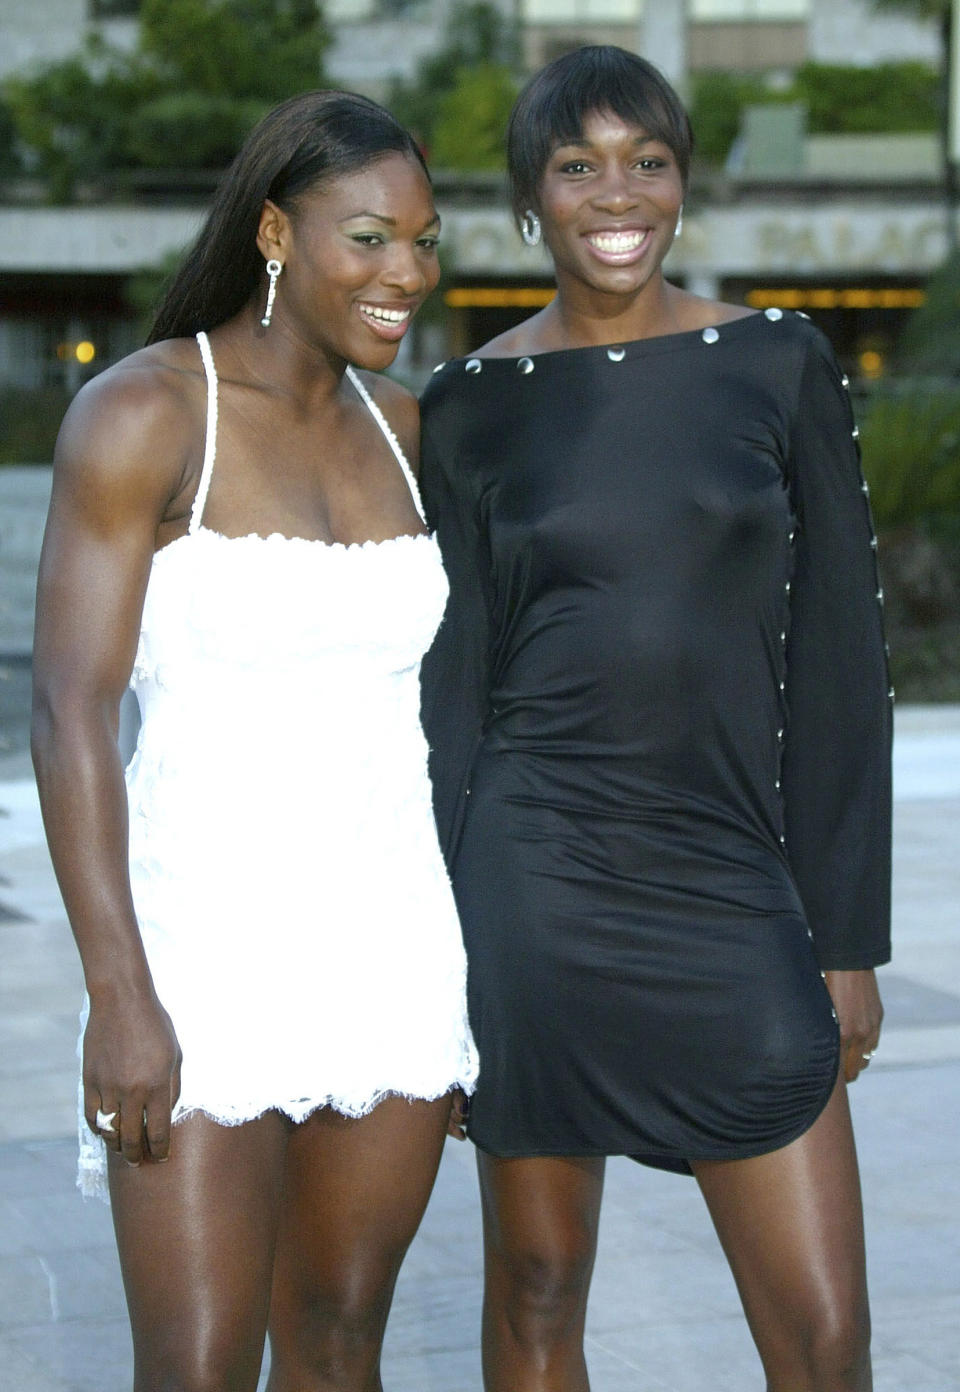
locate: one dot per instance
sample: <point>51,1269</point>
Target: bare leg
<point>354,1194</point>
<point>196,1240</point>
<point>792,1228</point>
<point>540,1220</point>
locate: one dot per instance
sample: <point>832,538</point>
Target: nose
<point>614,193</point>
<point>403,270</point>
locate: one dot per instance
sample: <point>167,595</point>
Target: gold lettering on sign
<point>789,245</point>
<point>891,245</point>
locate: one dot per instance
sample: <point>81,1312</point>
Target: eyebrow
<point>387,221</point>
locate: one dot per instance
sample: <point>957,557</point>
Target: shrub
<point>911,454</point>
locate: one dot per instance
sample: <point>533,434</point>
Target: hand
<point>459,1110</point>
<point>131,1067</point>
<point>856,1000</point>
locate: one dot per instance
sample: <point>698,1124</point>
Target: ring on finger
<point>105,1122</point>
<point>867,1057</point>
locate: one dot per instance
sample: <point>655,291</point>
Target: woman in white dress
<point>276,1037</point>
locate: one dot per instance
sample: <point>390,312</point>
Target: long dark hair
<point>598,77</point>
<point>314,136</point>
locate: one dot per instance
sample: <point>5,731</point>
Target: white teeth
<point>616,241</point>
<point>389,316</point>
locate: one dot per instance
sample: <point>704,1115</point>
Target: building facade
<point>849,233</point>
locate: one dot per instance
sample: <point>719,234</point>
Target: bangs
<point>552,108</point>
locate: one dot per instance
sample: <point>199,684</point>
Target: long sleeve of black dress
<point>836,769</point>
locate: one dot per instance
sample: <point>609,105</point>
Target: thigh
<point>354,1193</point>
<point>791,1224</point>
<point>196,1239</point>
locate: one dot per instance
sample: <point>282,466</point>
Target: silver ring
<point>867,1057</point>
<point>105,1121</point>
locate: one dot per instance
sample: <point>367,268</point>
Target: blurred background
<point>825,180</point>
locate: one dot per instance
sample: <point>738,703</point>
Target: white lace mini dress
<point>286,873</point>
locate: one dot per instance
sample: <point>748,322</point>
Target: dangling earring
<point>273,271</point>
<point>679,227</point>
<point>530,229</point>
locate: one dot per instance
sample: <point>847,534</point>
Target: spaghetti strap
<point>210,442</point>
<point>391,440</point>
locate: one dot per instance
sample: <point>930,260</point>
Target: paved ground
<point>664,1314</point>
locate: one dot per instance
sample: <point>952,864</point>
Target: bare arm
<point>119,461</point>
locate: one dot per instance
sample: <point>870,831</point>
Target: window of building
<point>112,9</point>
<point>593,11</point>
<point>354,10</point>
<point>784,10</point>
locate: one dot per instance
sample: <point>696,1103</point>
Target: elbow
<point>65,718</point>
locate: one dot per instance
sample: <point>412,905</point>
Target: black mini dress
<point>659,716</point>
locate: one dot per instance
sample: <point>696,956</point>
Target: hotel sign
<point>762,238</point>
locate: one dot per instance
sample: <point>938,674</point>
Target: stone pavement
<point>664,1314</point>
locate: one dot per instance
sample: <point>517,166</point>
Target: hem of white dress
<point>92,1169</point>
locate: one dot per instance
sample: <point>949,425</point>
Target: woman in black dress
<point>660,718</point>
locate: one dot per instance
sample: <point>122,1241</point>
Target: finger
<point>91,1105</point>
<point>158,1125</point>
<point>105,1121</point>
<point>131,1129</point>
<point>852,1063</point>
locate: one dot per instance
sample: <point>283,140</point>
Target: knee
<point>839,1352</point>
<point>543,1286</point>
<point>329,1338</point>
<point>829,1352</point>
<point>182,1370</point>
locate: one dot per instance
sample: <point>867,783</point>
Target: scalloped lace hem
<point>92,1168</point>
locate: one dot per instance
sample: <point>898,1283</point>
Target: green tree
<point>930,343</point>
<point>472,117</point>
<point>477,37</point>
<point>202,73</point>
<point>839,97</point>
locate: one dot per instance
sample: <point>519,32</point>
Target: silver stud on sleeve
<point>525,365</point>
<point>616,354</point>
<point>880,595</point>
<point>855,432</point>
<point>892,693</point>
<point>865,489</point>
<point>710,335</point>
<point>773,314</point>
<point>873,543</point>
<point>474,365</point>
<point>787,587</point>
<point>845,381</point>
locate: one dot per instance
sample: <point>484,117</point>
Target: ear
<point>273,233</point>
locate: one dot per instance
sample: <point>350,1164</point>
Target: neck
<point>278,359</point>
<point>580,317</point>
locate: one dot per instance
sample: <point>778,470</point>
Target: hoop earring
<point>274,268</point>
<point>530,229</point>
<point>679,227</point>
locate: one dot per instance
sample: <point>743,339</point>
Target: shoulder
<point>134,425</point>
<point>400,407</point>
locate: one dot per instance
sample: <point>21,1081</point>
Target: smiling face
<point>359,257</point>
<point>609,203</point>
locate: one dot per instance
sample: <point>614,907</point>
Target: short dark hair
<point>309,138</point>
<point>599,77</point>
